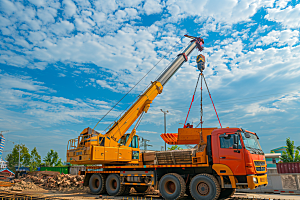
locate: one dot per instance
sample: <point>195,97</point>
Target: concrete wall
<point>290,181</point>
<point>278,183</point>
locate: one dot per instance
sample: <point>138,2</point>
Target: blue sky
<point>64,64</point>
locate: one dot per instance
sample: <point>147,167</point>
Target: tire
<point>97,184</point>
<point>205,186</point>
<point>172,186</point>
<point>227,193</point>
<point>113,185</point>
<point>141,188</point>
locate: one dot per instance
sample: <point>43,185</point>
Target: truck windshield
<point>252,143</point>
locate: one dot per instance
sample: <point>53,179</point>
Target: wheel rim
<point>114,184</point>
<point>97,183</point>
<point>170,187</point>
<point>203,189</point>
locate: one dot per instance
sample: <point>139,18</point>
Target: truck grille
<point>260,166</point>
<point>263,179</point>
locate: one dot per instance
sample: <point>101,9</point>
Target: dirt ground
<point>49,185</point>
<point>85,195</point>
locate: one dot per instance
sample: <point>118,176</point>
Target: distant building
<point>2,140</point>
<point>280,149</point>
<point>7,171</point>
<point>25,169</point>
<point>3,164</point>
<point>274,157</point>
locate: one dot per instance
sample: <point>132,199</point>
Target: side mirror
<point>235,141</point>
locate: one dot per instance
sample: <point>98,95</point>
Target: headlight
<point>255,180</point>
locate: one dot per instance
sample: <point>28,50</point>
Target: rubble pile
<point>49,181</point>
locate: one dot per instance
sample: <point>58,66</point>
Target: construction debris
<point>48,181</point>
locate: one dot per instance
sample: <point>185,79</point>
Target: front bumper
<point>257,180</point>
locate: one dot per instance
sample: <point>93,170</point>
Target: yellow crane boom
<point>115,146</point>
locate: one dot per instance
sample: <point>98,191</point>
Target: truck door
<point>230,156</point>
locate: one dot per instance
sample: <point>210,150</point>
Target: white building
<point>3,164</point>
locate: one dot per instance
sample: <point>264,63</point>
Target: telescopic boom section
<point>143,103</point>
<point>181,58</point>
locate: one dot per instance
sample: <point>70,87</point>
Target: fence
<point>61,170</point>
<point>284,168</point>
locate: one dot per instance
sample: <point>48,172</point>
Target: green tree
<point>290,155</point>
<point>35,160</point>
<point>13,157</point>
<point>52,159</point>
<point>175,147</point>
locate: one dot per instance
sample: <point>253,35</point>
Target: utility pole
<point>165,122</point>
<point>19,156</point>
<point>144,141</point>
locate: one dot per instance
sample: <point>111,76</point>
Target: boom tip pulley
<point>199,41</point>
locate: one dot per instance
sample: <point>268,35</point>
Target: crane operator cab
<point>134,144</point>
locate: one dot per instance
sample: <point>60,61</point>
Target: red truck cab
<point>241,152</point>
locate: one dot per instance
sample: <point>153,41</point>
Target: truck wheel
<point>227,193</point>
<point>141,188</point>
<point>172,186</point>
<point>97,184</point>
<point>113,185</point>
<point>205,186</point>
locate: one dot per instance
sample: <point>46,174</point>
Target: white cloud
<point>13,59</point>
<point>288,16</point>
<point>99,17</point>
<point>152,7</point>
<point>82,26</point>
<point>9,82</point>
<point>5,31</point>
<point>227,12</point>
<point>282,3</point>
<point>288,99</point>
<point>256,109</point>
<point>4,21</point>
<point>280,38</point>
<point>38,2</point>
<point>69,8</point>
<point>7,6</point>
<point>36,36</point>
<point>47,14</point>
<point>62,28</point>
<point>106,6</point>
<point>104,84</point>
<point>147,132</point>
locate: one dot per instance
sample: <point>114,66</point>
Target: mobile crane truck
<point>225,159</point>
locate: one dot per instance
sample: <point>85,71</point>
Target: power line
<point>145,87</point>
<point>137,83</point>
